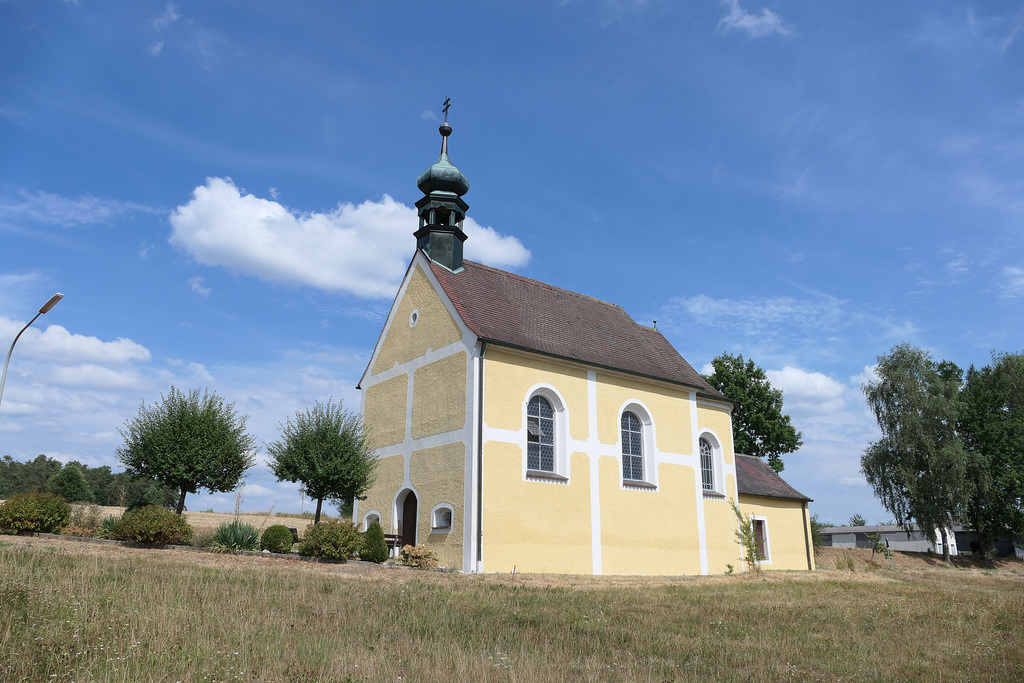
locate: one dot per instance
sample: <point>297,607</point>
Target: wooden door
<point>408,530</point>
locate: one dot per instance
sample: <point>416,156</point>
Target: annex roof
<point>516,311</point>
<point>755,477</point>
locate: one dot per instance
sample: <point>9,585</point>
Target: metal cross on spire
<point>447,103</point>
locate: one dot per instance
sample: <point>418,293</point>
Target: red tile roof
<point>512,310</point>
<point>755,477</point>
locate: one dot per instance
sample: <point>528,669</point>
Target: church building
<point>520,425</point>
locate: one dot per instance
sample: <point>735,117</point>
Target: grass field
<point>76,611</point>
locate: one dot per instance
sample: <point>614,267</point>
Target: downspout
<point>480,461</point>
<point>807,539</point>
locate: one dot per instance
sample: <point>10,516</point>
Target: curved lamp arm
<point>45,308</point>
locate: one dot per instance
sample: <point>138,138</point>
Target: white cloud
<point>359,249</point>
<point>808,392</point>
<point>93,376</point>
<point>196,284</point>
<point>51,209</point>
<point>754,25</point>
<point>1011,282</point>
<point>56,345</point>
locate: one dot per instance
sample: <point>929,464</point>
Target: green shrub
<point>237,535</point>
<point>276,539</point>
<point>374,549</point>
<point>40,512</point>
<point>419,557</point>
<point>331,541</point>
<point>107,527</point>
<point>152,524</point>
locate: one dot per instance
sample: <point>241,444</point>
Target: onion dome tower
<point>442,209</point>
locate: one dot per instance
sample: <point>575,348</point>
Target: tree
<point>189,442</point>
<point>326,449</point>
<point>758,425</point>
<point>69,483</point>
<point>858,520</point>
<point>993,428</point>
<point>918,468</point>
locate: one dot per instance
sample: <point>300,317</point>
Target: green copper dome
<point>443,176</point>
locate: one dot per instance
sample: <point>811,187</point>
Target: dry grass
<point>79,611</point>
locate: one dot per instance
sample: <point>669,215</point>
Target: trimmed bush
<point>374,549</point>
<point>237,535</point>
<point>276,539</point>
<point>419,557</point>
<point>331,541</point>
<point>40,512</point>
<point>152,524</point>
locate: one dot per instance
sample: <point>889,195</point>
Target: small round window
<point>414,317</point>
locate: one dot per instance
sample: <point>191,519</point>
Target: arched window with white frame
<point>540,435</point>
<point>707,464</point>
<point>369,518</point>
<point>632,447</point>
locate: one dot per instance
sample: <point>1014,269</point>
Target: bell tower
<point>441,209</point>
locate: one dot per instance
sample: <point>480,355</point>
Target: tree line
<point>952,444</point>
<point>77,482</point>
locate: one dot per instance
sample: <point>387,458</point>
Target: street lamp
<point>46,307</point>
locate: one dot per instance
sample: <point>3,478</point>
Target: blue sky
<point>223,192</point>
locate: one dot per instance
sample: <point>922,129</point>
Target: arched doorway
<point>408,510</point>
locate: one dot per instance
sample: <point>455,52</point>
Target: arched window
<point>370,518</point>
<point>540,437</point>
<point>707,465</point>
<point>632,448</point>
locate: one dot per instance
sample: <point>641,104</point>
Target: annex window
<point>707,465</point>
<point>441,519</point>
<point>761,540</point>
<point>370,518</point>
<point>632,448</point>
<point>540,435</point>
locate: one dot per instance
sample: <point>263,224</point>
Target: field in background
<point>209,522</point>
<point>81,611</point>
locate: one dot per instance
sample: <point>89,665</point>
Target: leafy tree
<point>326,449</point>
<point>758,424</point>
<point>858,520</point>
<point>817,540</point>
<point>69,483</point>
<point>993,428</point>
<point>918,468</point>
<point>188,441</point>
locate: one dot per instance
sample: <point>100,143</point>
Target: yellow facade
<point>389,475</point>
<point>535,526</point>
<point>649,532</point>
<point>409,336</point>
<point>669,407</point>
<point>437,474</point>
<point>789,531</point>
<point>439,396</point>
<point>384,410</point>
<point>510,376</point>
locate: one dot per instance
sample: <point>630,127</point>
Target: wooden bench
<point>394,542</point>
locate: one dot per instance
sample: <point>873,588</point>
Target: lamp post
<point>46,307</point>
